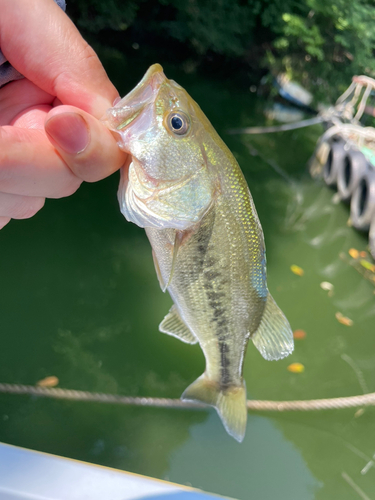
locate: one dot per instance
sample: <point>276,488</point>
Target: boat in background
<point>293,92</point>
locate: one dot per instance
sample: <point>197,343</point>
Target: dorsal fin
<point>173,325</point>
<point>274,337</point>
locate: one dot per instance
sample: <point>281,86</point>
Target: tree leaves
<point>319,43</point>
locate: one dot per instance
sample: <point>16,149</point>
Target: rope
<point>254,405</point>
<point>277,128</point>
<point>346,104</point>
<point>362,104</point>
<point>354,135</point>
<point>347,93</point>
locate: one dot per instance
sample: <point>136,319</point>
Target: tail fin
<point>230,403</point>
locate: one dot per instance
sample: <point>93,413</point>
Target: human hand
<point>51,138</point>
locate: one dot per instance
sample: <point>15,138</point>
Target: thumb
<point>85,144</point>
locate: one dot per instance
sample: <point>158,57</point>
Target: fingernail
<point>69,131</point>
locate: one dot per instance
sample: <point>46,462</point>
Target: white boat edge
<point>32,475</point>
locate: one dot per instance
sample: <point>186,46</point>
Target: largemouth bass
<point>185,188</point>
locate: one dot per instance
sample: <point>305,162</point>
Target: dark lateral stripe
<point>224,364</point>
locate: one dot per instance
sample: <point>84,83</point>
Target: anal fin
<point>178,237</point>
<point>173,325</point>
<point>274,337</point>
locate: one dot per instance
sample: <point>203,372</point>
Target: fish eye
<point>178,123</point>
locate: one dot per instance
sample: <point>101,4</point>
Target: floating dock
<point>345,154</point>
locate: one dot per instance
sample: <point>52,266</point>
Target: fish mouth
<point>132,105</point>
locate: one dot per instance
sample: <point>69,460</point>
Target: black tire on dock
<point>371,237</point>
<point>362,206</point>
<point>351,170</point>
<point>334,162</point>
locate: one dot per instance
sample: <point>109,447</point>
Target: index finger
<point>43,44</point>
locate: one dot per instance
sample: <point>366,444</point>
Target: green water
<point>80,300</point>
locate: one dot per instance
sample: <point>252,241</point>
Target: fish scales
<point>185,188</point>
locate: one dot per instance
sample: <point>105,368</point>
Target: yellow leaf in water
<point>354,253</point>
<point>297,270</point>
<point>367,265</point>
<point>343,319</point>
<point>296,368</point>
<point>48,382</point>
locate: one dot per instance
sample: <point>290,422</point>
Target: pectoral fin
<point>177,242</point>
<point>177,238</point>
<point>274,337</point>
<point>163,286</point>
<point>173,325</point>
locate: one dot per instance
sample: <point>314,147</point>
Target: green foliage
<point>321,43</point>
<point>96,15</point>
<point>327,42</point>
<point>297,31</point>
<point>225,29</point>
